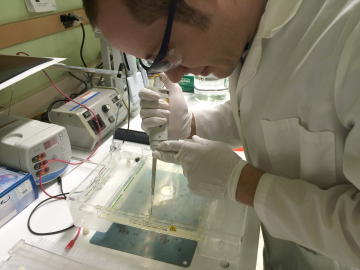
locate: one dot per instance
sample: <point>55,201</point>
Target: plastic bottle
<point>211,88</point>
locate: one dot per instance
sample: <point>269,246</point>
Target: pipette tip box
<point>17,191</point>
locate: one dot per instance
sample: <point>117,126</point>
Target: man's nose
<point>175,75</point>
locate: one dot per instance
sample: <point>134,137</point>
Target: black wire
<point>37,207</point>
<point>52,104</point>
<point>33,211</point>
<point>91,80</point>
<point>86,87</point>
<point>127,131</point>
<point>128,90</point>
<point>126,62</point>
<point>82,45</point>
<point>101,77</point>
<point>100,66</point>
<point>59,179</point>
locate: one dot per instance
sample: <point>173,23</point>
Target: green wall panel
<point>15,10</point>
<point>62,45</point>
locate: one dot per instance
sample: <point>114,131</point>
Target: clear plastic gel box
<point>119,190</point>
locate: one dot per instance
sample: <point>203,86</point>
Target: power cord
<point>72,242</point>
<point>82,44</point>
<point>52,104</point>
<point>85,84</point>
<point>123,67</point>
<point>68,21</point>
<point>44,201</point>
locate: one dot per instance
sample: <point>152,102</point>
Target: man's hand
<point>155,112</point>
<point>212,168</point>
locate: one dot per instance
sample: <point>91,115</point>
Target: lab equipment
<point>28,145</point>
<point>17,191</point>
<point>80,123</point>
<point>15,68</point>
<point>94,71</point>
<point>135,79</point>
<point>179,122</point>
<point>131,136</point>
<point>118,191</point>
<point>157,134</point>
<point>211,88</point>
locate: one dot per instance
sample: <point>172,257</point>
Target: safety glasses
<point>166,59</point>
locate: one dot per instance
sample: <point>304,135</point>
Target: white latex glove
<point>212,168</point>
<point>155,112</point>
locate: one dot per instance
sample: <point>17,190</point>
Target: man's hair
<point>147,12</point>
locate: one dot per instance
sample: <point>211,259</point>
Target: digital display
<point>50,143</point>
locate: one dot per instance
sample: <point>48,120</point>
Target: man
<point>295,107</point>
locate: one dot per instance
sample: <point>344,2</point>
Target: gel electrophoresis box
<point>17,191</point>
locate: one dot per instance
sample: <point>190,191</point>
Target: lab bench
<point>56,216</point>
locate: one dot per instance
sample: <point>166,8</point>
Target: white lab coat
<point>296,109</point>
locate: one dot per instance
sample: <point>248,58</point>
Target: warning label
<point>149,224</point>
<point>172,228</point>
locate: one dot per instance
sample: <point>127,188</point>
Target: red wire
<point>77,235</point>
<point>72,242</point>
<point>64,161</point>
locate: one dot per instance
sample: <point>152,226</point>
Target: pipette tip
<point>152,203</point>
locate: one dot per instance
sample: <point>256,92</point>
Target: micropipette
<point>157,134</point>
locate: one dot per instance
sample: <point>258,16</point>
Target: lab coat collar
<point>277,14</point>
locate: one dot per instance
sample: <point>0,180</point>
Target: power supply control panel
<point>80,123</point>
<point>29,145</point>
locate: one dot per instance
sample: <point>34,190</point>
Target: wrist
<point>233,180</point>
<point>248,181</point>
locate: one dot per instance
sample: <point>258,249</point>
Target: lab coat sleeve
<point>216,123</point>
<point>325,221</point>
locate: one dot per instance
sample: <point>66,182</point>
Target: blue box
<point>17,191</point>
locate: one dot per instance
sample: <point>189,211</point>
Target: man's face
<point>214,51</point>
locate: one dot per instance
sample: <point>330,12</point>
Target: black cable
<point>86,87</point>
<point>37,207</point>
<point>128,90</point>
<point>126,62</point>
<point>59,179</point>
<point>49,233</point>
<point>91,80</point>
<point>100,66</point>
<point>82,45</point>
<point>99,82</point>
<point>52,104</point>
<point>128,128</point>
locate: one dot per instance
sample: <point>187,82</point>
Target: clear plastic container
<point>211,88</point>
<point>28,257</point>
<point>175,210</point>
<point>118,190</point>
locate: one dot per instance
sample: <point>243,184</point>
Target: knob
<point>106,108</point>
